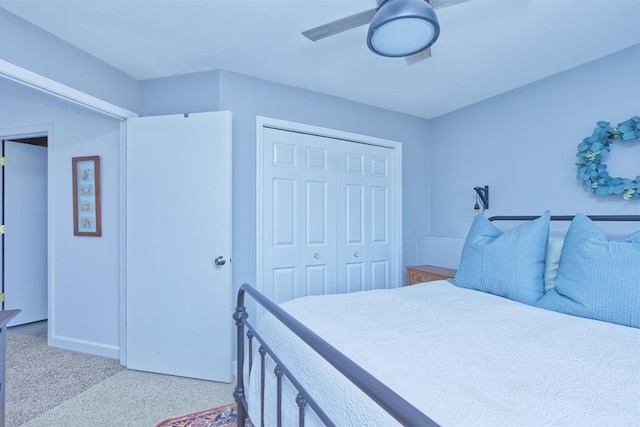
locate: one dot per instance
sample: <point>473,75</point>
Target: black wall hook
<point>483,194</point>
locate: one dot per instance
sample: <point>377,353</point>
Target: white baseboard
<point>89,347</point>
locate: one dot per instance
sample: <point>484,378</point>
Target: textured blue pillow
<point>597,278</point>
<point>509,264</point>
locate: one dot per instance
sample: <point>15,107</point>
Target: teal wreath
<point>593,173</point>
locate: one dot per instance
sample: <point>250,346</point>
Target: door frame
<point>34,131</point>
<point>122,236</point>
<point>267,122</point>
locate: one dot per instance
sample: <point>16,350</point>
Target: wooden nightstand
<point>428,273</point>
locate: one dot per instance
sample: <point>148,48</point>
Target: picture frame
<point>86,196</point>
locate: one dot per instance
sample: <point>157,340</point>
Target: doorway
<point>24,262</point>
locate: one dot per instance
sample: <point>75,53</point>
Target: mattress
<point>463,357</point>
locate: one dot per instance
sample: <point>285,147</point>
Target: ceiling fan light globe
<point>402,37</point>
<point>403,28</point>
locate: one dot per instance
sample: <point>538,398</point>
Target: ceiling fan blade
<point>344,24</point>
<point>439,4</point>
<point>417,57</point>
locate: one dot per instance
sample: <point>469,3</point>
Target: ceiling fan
<point>397,28</point>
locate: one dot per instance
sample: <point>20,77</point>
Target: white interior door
<point>179,299</point>
<point>25,238</point>
<point>299,207</point>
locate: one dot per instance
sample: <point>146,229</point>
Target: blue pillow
<point>597,278</point>
<point>509,264</point>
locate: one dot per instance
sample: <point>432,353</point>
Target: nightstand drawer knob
<point>316,255</point>
<point>418,278</point>
<point>356,254</point>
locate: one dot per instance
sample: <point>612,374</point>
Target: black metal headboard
<point>568,218</point>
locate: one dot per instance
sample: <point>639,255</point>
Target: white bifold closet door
<point>327,223</point>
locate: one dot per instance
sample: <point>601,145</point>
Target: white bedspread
<point>464,358</point>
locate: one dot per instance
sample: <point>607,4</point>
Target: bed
<point>499,345</point>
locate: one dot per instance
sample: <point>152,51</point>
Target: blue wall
<point>84,271</point>
<point>27,46</point>
<point>523,144</point>
<point>185,93</point>
<point>249,97</point>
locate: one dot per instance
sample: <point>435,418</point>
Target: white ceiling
<point>486,47</point>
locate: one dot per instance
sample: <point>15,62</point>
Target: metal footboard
<point>404,412</point>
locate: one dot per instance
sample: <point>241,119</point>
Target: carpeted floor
<point>49,387</point>
<point>40,377</point>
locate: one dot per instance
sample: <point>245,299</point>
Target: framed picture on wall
<point>86,196</point>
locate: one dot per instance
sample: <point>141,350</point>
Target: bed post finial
<point>238,393</point>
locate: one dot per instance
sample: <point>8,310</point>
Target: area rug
<point>223,416</point>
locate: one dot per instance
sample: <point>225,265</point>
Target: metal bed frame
<point>396,406</point>
<point>611,218</point>
<point>404,412</point>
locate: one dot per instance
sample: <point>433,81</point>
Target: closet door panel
<point>365,197</point>
<point>282,235</point>
<point>316,213</point>
<point>380,241</point>
<point>284,212</point>
<point>379,274</point>
<point>316,280</point>
<point>299,218</point>
<point>353,215</point>
<point>283,284</point>
<point>354,278</point>
<point>379,221</point>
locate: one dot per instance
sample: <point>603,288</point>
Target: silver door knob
<point>220,260</point>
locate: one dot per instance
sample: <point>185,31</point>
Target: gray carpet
<point>135,399</point>
<point>49,387</point>
<point>40,377</point>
